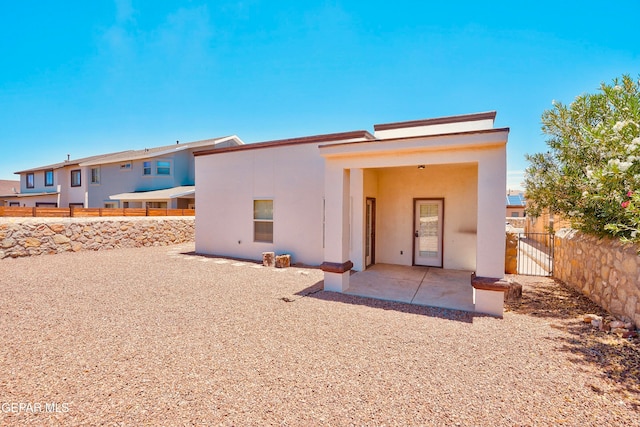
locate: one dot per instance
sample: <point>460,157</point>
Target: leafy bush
<point>591,173</point>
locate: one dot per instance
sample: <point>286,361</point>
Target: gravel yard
<point>159,336</point>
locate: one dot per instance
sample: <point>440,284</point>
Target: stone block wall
<point>38,236</point>
<point>517,222</point>
<point>511,254</point>
<point>605,270</point>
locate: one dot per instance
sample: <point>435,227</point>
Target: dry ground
<point>159,336</point>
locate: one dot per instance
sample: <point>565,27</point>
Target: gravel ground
<point>159,336</point>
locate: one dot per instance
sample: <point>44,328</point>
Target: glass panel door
<point>428,233</point>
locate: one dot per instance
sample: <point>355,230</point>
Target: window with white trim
<point>95,175</point>
<point>146,168</point>
<point>30,180</point>
<point>163,167</point>
<point>263,220</point>
<point>48,178</point>
<point>76,180</point>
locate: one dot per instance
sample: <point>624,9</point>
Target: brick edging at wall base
<point>20,237</point>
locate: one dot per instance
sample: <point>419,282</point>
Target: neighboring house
<point>55,185</point>
<point>8,189</point>
<point>516,204</point>
<point>546,223</point>
<point>426,192</point>
<point>159,177</point>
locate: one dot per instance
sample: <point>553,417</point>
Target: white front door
<point>428,232</point>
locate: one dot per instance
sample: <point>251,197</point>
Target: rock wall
<point>518,222</point>
<point>511,254</point>
<point>37,236</point>
<point>605,270</point>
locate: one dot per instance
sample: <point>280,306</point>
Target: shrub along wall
<point>605,270</point>
<point>38,236</point>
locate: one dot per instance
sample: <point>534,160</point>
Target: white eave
<point>23,195</point>
<point>448,141</point>
<point>167,193</point>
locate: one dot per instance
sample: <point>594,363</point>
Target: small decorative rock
<point>589,318</point>
<point>514,293</point>
<point>268,259</point>
<point>619,331</point>
<point>283,261</point>
<point>611,324</point>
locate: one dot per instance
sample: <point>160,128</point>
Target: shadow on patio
<point>418,290</point>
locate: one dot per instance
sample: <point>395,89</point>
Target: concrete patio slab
<point>446,289</point>
<point>426,286</point>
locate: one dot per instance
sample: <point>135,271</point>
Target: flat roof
<point>489,115</point>
<point>331,137</point>
<point>421,137</point>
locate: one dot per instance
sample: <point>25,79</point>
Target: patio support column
<point>490,244</point>
<point>336,265</point>
<point>356,179</point>
<point>490,247</point>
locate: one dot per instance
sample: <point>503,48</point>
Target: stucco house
<point>426,192</point>
<point>157,177</point>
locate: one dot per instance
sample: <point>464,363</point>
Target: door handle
<point>416,234</point>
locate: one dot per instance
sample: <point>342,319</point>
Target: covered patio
<point>426,198</point>
<point>433,287</point>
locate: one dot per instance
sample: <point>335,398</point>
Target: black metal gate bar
<point>535,254</point>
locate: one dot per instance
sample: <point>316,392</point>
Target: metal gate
<point>535,254</point>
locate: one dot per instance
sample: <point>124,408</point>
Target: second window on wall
<point>162,167</point>
<point>48,178</point>
<point>263,220</point>
<point>146,168</point>
<point>95,175</point>
<point>76,180</point>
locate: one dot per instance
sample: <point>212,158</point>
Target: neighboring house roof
<point>129,155</point>
<point>60,164</point>
<point>9,187</point>
<point>146,153</point>
<point>167,193</point>
<point>516,200</point>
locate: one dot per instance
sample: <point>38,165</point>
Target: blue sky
<point>89,77</point>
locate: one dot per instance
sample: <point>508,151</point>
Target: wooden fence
<point>74,212</point>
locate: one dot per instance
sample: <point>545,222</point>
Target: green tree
<point>591,172</point>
